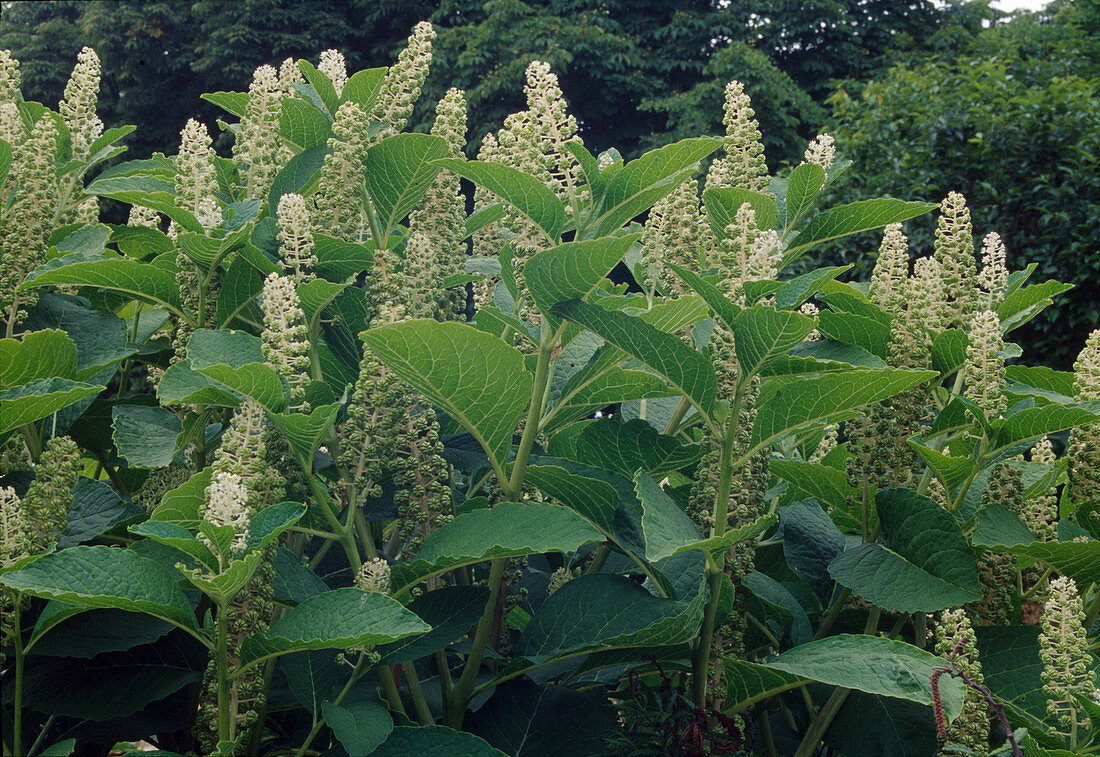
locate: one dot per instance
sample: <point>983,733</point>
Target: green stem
<point>420,704</point>
<point>834,611</point>
<point>766,733</point>
<point>319,723</point>
<point>389,689</point>
<point>445,682</point>
<point>514,485</point>
<point>822,721</point>
<point>599,558</point>
<point>678,414</point>
<point>347,537</point>
<point>225,717</point>
<point>17,704</point>
<point>465,686</point>
<point>42,734</point>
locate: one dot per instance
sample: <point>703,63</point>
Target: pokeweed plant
<point>265,466</point>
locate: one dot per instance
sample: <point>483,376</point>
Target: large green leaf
<point>828,486</point>
<point>302,125</point>
<point>647,179</point>
<point>1013,670</point>
<point>96,509</point>
<point>399,171</point>
<point>536,201</point>
<point>359,726</point>
<point>853,218</point>
<point>873,665</point>
<point>594,500</point>
<point>434,741</point>
<point>804,184</point>
<point>787,404</point>
<point>305,433</point>
<point>1080,560</point>
<point>574,269</point>
<point>848,328</point>
<point>687,370</point>
<point>184,504</point>
<point>142,281</point>
<point>40,398</point>
<point>627,447</point>
<point>235,361</point>
<point>1025,303</point>
<point>666,527</point>
<point>337,619</point>
<point>338,260</point>
<point>145,436</point>
<point>719,304</point>
<point>762,333</point>
<point>1036,422</point>
<point>922,563</point>
<point>36,355</point>
<point>722,204</point>
<point>748,683</point>
<point>477,378</point>
<point>105,577</point>
<point>509,529</point>
<point>605,611</point>
<point>180,385</point>
<point>147,191</point>
<point>451,611</point>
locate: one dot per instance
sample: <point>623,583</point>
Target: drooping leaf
<point>853,218</point>
<point>863,332</point>
<point>687,370</point>
<point>526,193</point>
<point>665,525</point>
<point>719,304</point>
<point>594,500</point>
<point>145,436</point>
<point>477,378</point>
<point>508,529</point>
<point>104,577</point>
<point>40,398</point>
<point>142,281</point>
<point>96,509</point>
<point>337,619</point>
<point>399,170</point>
<point>305,433</point>
<point>359,726</point>
<point>921,564</point>
<point>810,542</point>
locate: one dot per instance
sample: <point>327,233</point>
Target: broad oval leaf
<point>477,378</point>
<point>142,281</point>
<point>37,355</point>
<point>574,269</point>
<point>38,399</point>
<point>852,219</point>
<point>399,170</point>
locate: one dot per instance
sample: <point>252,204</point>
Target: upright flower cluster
<point>333,65</point>
<point>79,102</point>
<point>285,336</point>
<point>339,198</point>
<point>289,75</point>
<point>954,249</point>
<point>423,495</point>
<point>1064,651</point>
<point>424,293</point>
<point>243,452</point>
<point>821,151</point>
<point>746,254</point>
<point>295,237</point>
<point>50,496</point>
<point>196,179</point>
<point>1041,511</point>
<point>258,146</point>
<point>1084,441</point>
<point>891,272</point>
<point>743,164</point>
<point>441,217</point>
<point>16,531</point>
<point>403,82</point>
<point>227,505</point>
<point>28,223</point>
<point>674,233</point>
<point>993,278</point>
<point>955,642</point>
<point>984,370</point>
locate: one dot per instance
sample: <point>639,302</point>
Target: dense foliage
<point>287,469</point>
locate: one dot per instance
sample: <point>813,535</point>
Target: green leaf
<point>1038,380</point>
<point>184,504</point>
<point>647,179</point>
<point>998,526</point>
<point>1036,422</point>
<point>337,619</point>
<point>801,288</point>
<point>787,404</point>
<point>176,536</point>
<point>810,542</point>
<point>96,509</point>
<point>434,741</point>
<point>873,665</point>
<point>36,355</point>
<point>234,360</point>
<point>105,577</point>
<point>1080,560</point>
<point>748,683</point>
<point>762,333</point>
<point>1025,303</point>
<point>302,125</point>
<point>853,218</point>
<point>142,281</point>
<point>399,170</point>
<point>338,260</point>
<point>719,304</point>
<point>848,328</point>
<point>804,185</point>
<point>827,485</point>
<point>594,500</point>
<point>951,471</point>
<point>363,87</point>
<point>921,564</point>
<point>145,436</point>
<point>616,613</point>
<point>574,269</point>
<point>180,385</point>
<point>722,204</point>
<point>536,201</point>
<point>451,611</point>
<point>300,175</point>
<point>94,632</point>
<point>687,370</point>
<point>666,527</point>
<point>315,295</point>
<point>101,338</point>
<point>949,351</point>
<point>235,103</point>
<point>147,191</point>
<point>305,433</point>
<point>627,447</point>
<point>1012,669</point>
<point>509,529</point>
<point>359,726</point>
<point>486,395</point>
<point>39,399</point>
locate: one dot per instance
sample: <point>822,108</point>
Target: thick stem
<point>678,414</point>
<point>701,655</point>
<point>225,715</point>
<point>20,656</point>
<point>514,484</point>
<point>389,689</point>
<point>320,722</point>
<point>461,695</point>
<point>822,721</point>
<point>420,704</point>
